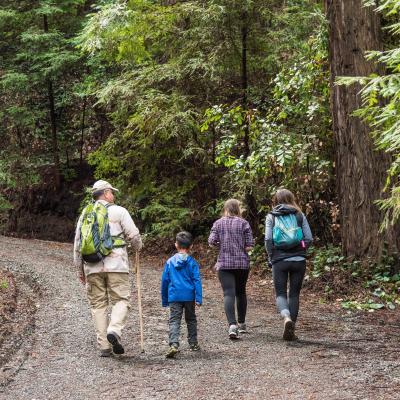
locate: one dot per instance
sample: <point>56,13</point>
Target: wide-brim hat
<point>102,185</point>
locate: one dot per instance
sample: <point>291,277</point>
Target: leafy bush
<point>377,285</point>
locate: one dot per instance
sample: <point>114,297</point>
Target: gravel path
<point>340,355</point>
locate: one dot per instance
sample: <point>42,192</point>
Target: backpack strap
<point>299,218</point>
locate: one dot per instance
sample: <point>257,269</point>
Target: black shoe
<point>194,347</point>
<point>116,344</point>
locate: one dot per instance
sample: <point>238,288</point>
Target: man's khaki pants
<point>105,289</point>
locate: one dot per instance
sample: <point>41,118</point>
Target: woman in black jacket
<point>288,263</point>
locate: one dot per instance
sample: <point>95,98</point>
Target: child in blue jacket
<point>181,290</point>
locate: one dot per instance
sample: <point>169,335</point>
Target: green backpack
<point>96,240</point>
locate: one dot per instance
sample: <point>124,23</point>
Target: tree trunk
<point>54,140</point>
<point>83,122</point>
<point>214,169</point>
<point>251,203</point>
<point>20,141</point>
<point>245,84</point>
<point>360,169</point>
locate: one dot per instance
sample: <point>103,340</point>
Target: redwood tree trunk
<point>360,169</point>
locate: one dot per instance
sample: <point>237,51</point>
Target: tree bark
<point>83,122</point>
<point>245,84</point>
<point>54,140</point>
<point>360,169</point>
<point>214,169</point>
<point>251,203</point>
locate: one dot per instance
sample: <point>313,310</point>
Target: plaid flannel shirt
<point>232,235</point>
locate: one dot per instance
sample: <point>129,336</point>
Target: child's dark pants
<point>175,317</point>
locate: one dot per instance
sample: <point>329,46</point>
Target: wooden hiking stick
<point>139,295</point>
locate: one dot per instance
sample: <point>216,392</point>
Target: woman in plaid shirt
<point>232,235</point>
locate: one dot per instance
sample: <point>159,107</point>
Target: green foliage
<point>39,60</point>
<point>13,173</point>
<point>166,217</point>
<point>380,282</point>
<point>330,259</point>
<point>269,148</point>
<point>290,138</point>
<point>258,256</point>
<point>87,199</point>
<point>4,284</point>
<point>168,64</point>
<point>366,306</point>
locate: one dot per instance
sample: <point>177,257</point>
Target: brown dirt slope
<point>18,294</point>
<point>340,355</point>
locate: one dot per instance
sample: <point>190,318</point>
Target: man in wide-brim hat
<point>107,281</point>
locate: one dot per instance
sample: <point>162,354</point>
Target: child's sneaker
<point>194,347</point>
<point>242,328</point>
<point>233,332</point>
<point>171,352</point>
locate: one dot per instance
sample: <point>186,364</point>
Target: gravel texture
<point>17,318</point>
<point>339,355</point>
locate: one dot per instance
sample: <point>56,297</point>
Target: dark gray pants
<point>175,317</point>
<point>294,271</point>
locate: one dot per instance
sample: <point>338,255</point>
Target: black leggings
<point>233,282</point>
<point>282,272</point>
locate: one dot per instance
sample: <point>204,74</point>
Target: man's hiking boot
<point>233,332</point>
<point>288,331</point>
<point>114,339</point>
<point>194,347</point>
<point>105,353</point>
<point>171,353</point>
<point>242,328</point>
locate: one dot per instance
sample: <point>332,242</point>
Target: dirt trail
<point>340,356</point>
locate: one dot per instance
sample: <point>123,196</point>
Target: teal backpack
<point>287,231</point>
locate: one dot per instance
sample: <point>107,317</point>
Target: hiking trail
<point>339,355</point>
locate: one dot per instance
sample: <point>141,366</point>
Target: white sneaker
<point>233,332</point>
<point>242,328</point>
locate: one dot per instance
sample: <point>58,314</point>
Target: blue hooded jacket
<point>181,280</point>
